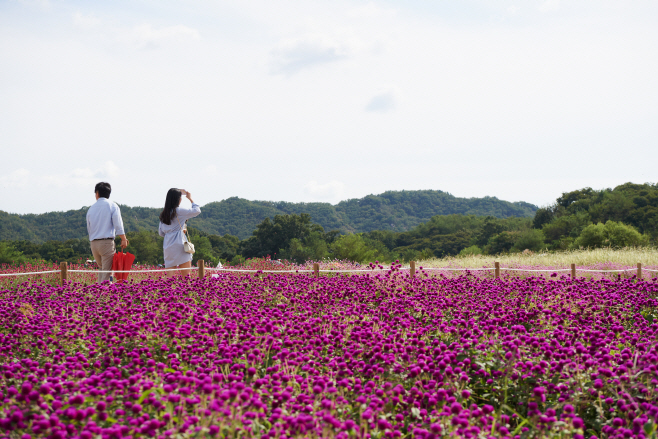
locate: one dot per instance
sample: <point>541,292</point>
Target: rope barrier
<point>533,270</point>
<point>359,271</point>
<point>456,269</point>
<point>130,271</point>
<point>609,271</point>
<point>238,270</point>
<point>162,270</point>
<point>27,274</point>
<point>299,271</point>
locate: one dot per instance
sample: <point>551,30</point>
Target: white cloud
<point>371,11</point>
<point>549,5</point>
<point>23,178</point>
<point>513,10</point>
<point>503,94</point>
<point>145,36</point>
<point>331,191</point>
<point>80,177</point>
<point>86,22</point>
<point>294,55</point>
<point>42,5</point>
<point>384,101</point>
<point>18,179</point>
<point>210,171</point>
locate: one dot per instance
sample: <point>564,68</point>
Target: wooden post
<point>412,268</point>
<point>497,269</point>
<point>64,273</point>
<point>639,270</point>
<point>316,269</point>
<point>573,271</point>
<point>202,268</point>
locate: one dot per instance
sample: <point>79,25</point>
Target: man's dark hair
<point>103,189</point>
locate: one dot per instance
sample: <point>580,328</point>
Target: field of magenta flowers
<point>365,355</point>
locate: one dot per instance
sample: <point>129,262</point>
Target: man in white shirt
<point>104,224</point>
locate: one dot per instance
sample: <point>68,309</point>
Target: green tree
<point>531,239</point>
<point>224,247</point>
<point>9,254</point>
<point>470,251</point>
<point>501,243</point>
<point>426,254</point>
<point>146,246</point>
<point>310,248</point>
<point>410,255</point>
<point>490,228</point>
<point>273,237</point>
<point>353,247</point>
<point>544,215</point>
<point>565,226</point>
<point>203,250</point>
<point>569,198</point>
<point>611,234</point>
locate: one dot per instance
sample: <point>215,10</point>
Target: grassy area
<point>600,258</point>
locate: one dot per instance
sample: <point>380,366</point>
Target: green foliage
<point>212,248</point>
<point>274,237</point>
<point>632,204</point>
<point>384,250</point>
<point>568,226</point>
<point>312,247</point>
<point>501,243</point>
<point>544,215</point>
<point>9,254</point>
<point>238,260</point>
<point>592,236</point>
<point>410,255</point>
<point>490,228</point>
<point>448,235</point>
<point>397,225</point>
<point>426,254</point>
<point>71,250</point>
<point>386,238</point>
<point>224,247</point>
<point>146,246</point>
<point>203,250</point>
<point>611,234</point>
<point>531,239</point>
<point>470,251</point>
<point>353,247</point>
<point>401,211</point>
<point>395,211</point>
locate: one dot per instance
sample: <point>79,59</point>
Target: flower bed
<point>290,355</point>
<point>268,264</point>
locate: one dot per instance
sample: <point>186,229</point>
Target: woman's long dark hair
<point>171,203</point>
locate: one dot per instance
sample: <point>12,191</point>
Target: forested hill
<point>393,210</point>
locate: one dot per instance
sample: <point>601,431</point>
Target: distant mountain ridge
<point>393,210</point>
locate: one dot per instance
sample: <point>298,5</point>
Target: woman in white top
<point>172,227</point>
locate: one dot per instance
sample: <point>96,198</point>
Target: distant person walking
<point>172,228</point>
<point>104,224</point>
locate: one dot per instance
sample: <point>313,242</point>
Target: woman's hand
<point>189,196</point>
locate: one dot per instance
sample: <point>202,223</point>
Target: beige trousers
<point>103,251</point>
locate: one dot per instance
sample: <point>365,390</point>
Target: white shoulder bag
<point>188,247</point>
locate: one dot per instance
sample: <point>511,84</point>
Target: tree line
<point>394,210</point>
<point>624,216</point>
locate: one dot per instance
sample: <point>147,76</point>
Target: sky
<point>323,100</point>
